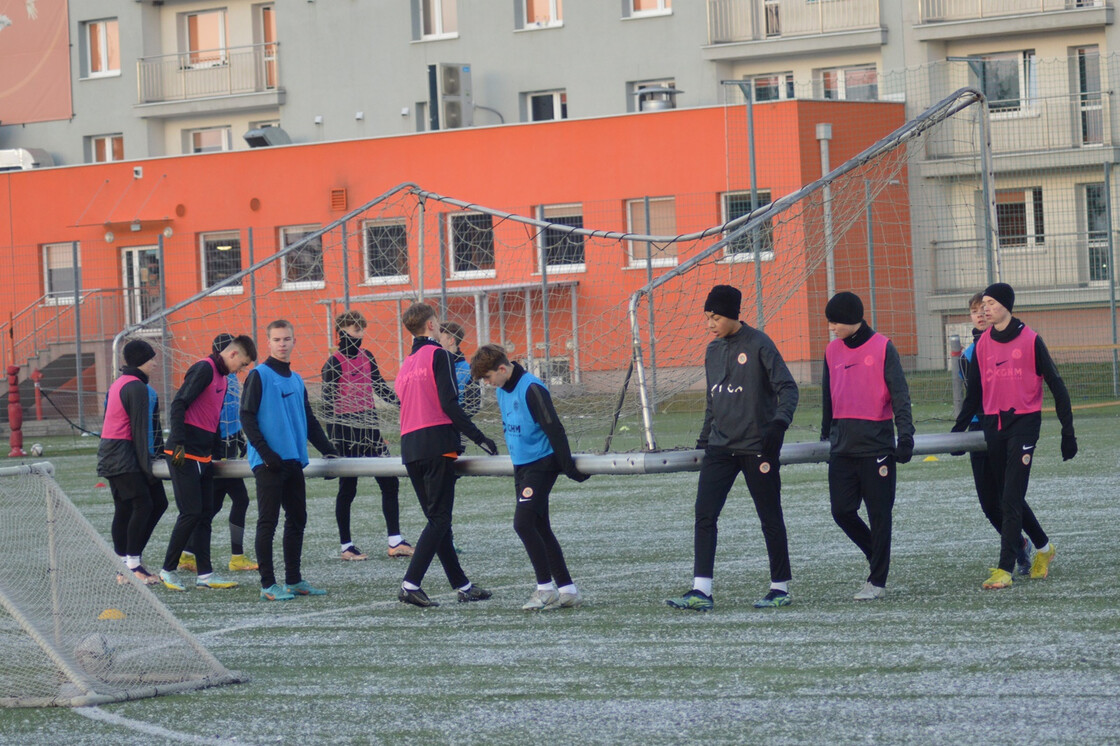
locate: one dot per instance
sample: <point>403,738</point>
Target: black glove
<point>576,475</point>
<point>1069,445</point>
<point>772,438</point>
<point>488,446</point>
<point>273,462</point>
<point>330,457</point>
<point>904,451</point>
<point>178,456</point>
<point>958,429</point>
<point>242,446</point>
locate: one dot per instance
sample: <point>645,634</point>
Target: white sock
<point>409,586</point>
<point>205,576</point>
<point>704,585</point>
<point>1045,548</point>
<point>549,586</point>
<point>132,561</point>
<point>395,540</point>
<point>346,546</point>
<point>783,586</point>
<point>465,588</point>
<point>570,589</point>
<point>122,558</point>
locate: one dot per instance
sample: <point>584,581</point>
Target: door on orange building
<point>140,273</point>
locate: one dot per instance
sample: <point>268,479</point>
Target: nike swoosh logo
<point>850,366</point>
<point>881,460</point>
<point>1001,362</point>
<point>285,396</point>
<point>524,499</point>
<point>1028,448</point>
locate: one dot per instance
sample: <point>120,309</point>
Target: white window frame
<point>736,257</point>
<point>398,279</point>
<point>226,133</point>
<point>786,90</point>
<point>51,296</point>
<point>555,15</point>
<point>102,25</point>
<point>550,213</point>
<point>634,262</point>
<point>435,8</point>
<point>107,140</point>
<point>452,249</point>
<point>1027,65</point>
<point>841,74</point>
<point>285,241</point>
<point>236,288</point>
<point>559,105</point>
<point>664,8</point>
<point>1034,205</point>
<point>222,49</point>
<point>1096,242</point>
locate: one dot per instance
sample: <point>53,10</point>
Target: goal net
<point>74,630</point>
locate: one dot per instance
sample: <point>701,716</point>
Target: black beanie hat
<point>844,308</point>
<point>1003,293</point>
<point>137,352</point>
<point>222,341</point>
<point>724,300</point>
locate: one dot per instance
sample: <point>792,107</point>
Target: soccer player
<point>231,445</point>
<point>749,405</point>
<point>862,389</point>
<point>470,395</point>
<point>124,456</point>
<point>982,476</point>
<point>538,447</point>
<point>431,423</point>
<point>277,418</point>
<point>195,411</point>
<point>350,380</point>
<point>1005,384</point>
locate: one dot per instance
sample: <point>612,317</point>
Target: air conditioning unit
<point>24,159</point>
<point>451,101</point>
<point>263,137</point>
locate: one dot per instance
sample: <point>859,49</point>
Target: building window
<point>472,244</point>
<point>1096,224</point>
<point>742,248</point>
<point>662,222</point>
<point>1088,86</point>
<point>850,83</point>
<point>386,252</point>
<point>773,87</point>
<point>221,258</point>
<point>103,48</point>
<point>58,273</point>
<point>1019,217</point>
<point>302,269</point>
<point>643,8</point>
<point>209,140</point>
<point>1009,80</point>
<point>547,105</point>
<point>438,18</point>
<point>542,13</point>
<point>105,148</point>
<point>206,37</point>
<point>562,249</point>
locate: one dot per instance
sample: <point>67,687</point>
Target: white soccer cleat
<point>541,600</point>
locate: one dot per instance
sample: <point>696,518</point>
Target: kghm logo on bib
<point>527,492</point>
<point>764,467</point>
<point>883,470</point>
<point>742,358</point>
<point>1026,459</point>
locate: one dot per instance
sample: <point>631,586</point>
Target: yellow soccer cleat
<point>187,563</point>
<point>238,562</point>
<point>1040,567</point>
<point>999,579</point>
<point>404,549</point>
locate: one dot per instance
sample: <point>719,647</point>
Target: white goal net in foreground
<point>72,632</point>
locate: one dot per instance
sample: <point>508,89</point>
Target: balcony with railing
<point>236,77</point>
<point>958,19</point>
<point>738,21</point>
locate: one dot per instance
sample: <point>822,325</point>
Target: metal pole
<point>252,289</point>
<point>78,335</point>
<point>756,243</point>
<point>345,269</point>
<point>164,360</point>
<point>1111,276</point>
<point>420,251</point>
<point>870,251</point>
<point>824,134</point>
<point>444,241</point>
<point>546,370</point>
<point>955,382</point>
<point>987,180</point>
<point>652,328</point>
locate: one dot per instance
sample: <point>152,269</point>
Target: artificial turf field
<point>939,661</point>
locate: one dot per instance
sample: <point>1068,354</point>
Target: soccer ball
<point>36,449</point>
<point>94,654</point>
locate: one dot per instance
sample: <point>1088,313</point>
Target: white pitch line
<point>96,713</point>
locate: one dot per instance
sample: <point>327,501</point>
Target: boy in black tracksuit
<point>431,423</point>
<point>129,438</point>
<point>350,379</point>
<point>863,388</point>
<point>750,403</point>
<point>1006,388</point>
<point>538,447</point>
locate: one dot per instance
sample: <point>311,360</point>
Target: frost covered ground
<point>939,661</point>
